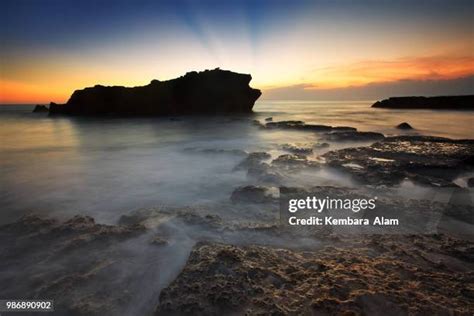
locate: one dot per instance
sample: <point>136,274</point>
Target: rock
<point>433,161</point>
<point>251,194</point>
<point>302,126</point>
<point>354,136</point>
<point>321,145</point>
<point>264,173</point>
<point>159,241</point>
<point>258,124</point>
<point>252,160</point>
<point>462,102</point>
<point>470,182</point>
<point>210,91</point>
<point>297,149</point>
<point>40,109</point>
<point>77,263</point>
<point>404,125</point>
<point>294,162</point>
<point>269,119</point>
<point>362,279</point>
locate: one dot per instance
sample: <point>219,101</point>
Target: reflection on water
<point>359,114</point>
<point>107,167</point>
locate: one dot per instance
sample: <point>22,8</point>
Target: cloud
<point>363,72</point>
<point>373,91</point>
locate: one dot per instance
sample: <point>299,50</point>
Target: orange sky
<point>60,87</point>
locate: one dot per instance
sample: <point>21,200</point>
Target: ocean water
<point>105,168</point>
<point>61,166</point>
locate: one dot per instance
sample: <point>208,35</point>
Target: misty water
<point>109,167</point>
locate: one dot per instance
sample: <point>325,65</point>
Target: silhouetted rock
<point>404,125</point>
<point>210,91</point>
<point>40,109</point>
<point>462,102</point>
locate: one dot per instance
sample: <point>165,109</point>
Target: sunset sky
<point>293,49</point>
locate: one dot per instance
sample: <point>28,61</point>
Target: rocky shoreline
<point>235,257</point>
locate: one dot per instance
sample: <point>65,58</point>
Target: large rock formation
<point>462,102</point>
<point>210,91</point>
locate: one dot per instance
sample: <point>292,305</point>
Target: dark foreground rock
<point>463,102</point>
<point>210,91</point>
<point>384,275</point>
<point>404,125</point>
<point>427,160</point>
<point>40,109</point>
<point>77,263</point>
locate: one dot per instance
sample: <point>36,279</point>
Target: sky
<point>293,49</point>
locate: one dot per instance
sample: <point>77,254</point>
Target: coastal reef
<point>210,91</point>
<point>75,262</point>
<point>433,161</point>
<point>405,275</point>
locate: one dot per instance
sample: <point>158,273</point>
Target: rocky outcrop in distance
<point>206,92</point>
<point>40,109</point>
<point>461,102</point>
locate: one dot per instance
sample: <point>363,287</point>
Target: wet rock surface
<point>428,160</point>
<point>253,160</point>
<point>371,276</point>
<point>354,136</point>
<point>298,149</point>
<point>75,263</point>
<point>245,262</point>
<point>252,194</point>
<point>302,126</point>
<point>294,162</point>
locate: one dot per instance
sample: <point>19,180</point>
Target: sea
<point>107,167</point>
<point>59,167</point>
